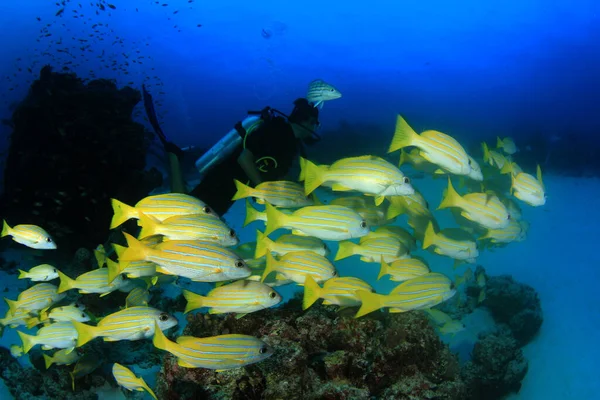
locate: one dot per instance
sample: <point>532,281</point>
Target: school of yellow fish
<point>180,236</point>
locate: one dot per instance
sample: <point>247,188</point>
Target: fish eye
<point>335,273</point>
<point>82,315</point>
<point>272,295</point>
<point>239,263</point>
<point>324,247</point>
<point>231,233</point>
<point>263,350</point>
<point>508,216</point>
<point>363,224</point>
<point>48,240</point>
<point>53,269</point>
<point>469,161</point>
<point>207,209</point>
<point>163,317</point>
<point>406,180</point>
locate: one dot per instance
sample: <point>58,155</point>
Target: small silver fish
<point>320,91</point>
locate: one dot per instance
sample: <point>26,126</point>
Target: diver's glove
<point>172,148</point>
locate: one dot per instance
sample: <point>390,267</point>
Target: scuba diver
<point>261,148</point>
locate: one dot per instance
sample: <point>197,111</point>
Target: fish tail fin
<point>12,305</point>
<point>275,219</point>
<point>135,250</point>
<point>302,169</point>
<point>159,340</point>
<point>384,270</point>
<point>100,258</point>
<point>429,237</point>
<point>121,213</point>
<point>66,283</point>
<point>194,301</point>
<point>507,168</point>
<point>263,244</point>
<point>312,292</point>
<point>538,174</point>
<point>370,302</point>
<point>451,197</point>
<point>404,157</point>
<point>48,360</point>
<point>499,143</point>
<point>346,249</point>
<point>119,250</point>
<point>6,230</point>
<point>22,274</point>
<point>486,153</point>
<point>270,267</point>
<point>149,226</point>
<point>28,341</point>
<point>404,135</point>
<point>396,207</point>
<point>85,333</point>
<point>147,388</point>
<point>313,176</point>
<point>252,214</point>
<point>114,269</point>
<point>243,191</point>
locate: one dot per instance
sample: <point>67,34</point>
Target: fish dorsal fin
<point>539,176</point>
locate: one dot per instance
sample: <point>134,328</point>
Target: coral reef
<point>74,146</point>
<point>497,367</point>
<point>320,354</point>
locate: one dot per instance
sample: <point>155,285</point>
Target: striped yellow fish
<point>516,231</point>
<point>59,335</point>
<point>493,158</point>
<point>287,244</point>
<point>525,187</point>
<point>126,378</point>
<point>239,297</point>
<point>29,235</point>
<point>513,208</point>
<point>203,227</point>
<point>374,215</point>
<point>41,273</point>
<point>253,214</point>
<point>417,161</point>
<point>341,291</point>
<point>246,252</point>
<point>36,298</point>
<point>198,261</point>
<point>324,222</point>
<point>373,250</point>
<point>402,270</point>
<point>296,265</point>
<point>320,91</point>
<point>160,206</point>
<point>133,323</point>
<point>137,297</point>
<point>436,147</point>
<point>453,243</point>
<point>483,208</point>
<point>415,294</point>
<point>95,281</point>
<point>21,318</point>
<point>507,145</point>
<point>404,236</point>
<point>476,173</point>
<point>65,313</point>
<point>414,206</point>
<point>216,352</point>
<point>61,357</point>
<point>278,193</point>
<point>131,269</point>
<point>366,174</point>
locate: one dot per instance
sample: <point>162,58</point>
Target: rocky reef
<point>73,146</point>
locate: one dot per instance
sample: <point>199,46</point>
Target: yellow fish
<point>525,187</point>
<point>324,222</point>
<point>160,206</point>
<point>453,243</point>
<point>439,317</point>
<point>336,291</point>
<point>483,208</point>
<point>131,269</point>
<point>393,231</point>
<point>367,174</point>
<point>95,281</point>
<point>373,250</point>
<point>29,235</point>
<point>59,335</point>
<point>239,297</point>
<point>413,206</point>
<point>202,227</point>
<point>297,265</point>
<point>516,231</point>
<point>126,378</point>
<point>41,273</point>
<point>278,193</point>
<point>435,147</point>
<point>65,313</point>
<point>137,297</point>
<point>372,214</point>
<point>507,145</point>
<point>287,244</point>
<point>403,269</point>
<point>416,160</point>
<point>36,298</point>
<point>61,357</point>
<point>493,158</point>
<point>216,352</point>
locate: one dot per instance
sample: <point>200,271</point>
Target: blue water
<point>470,68</point>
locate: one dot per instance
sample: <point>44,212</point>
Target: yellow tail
<point>507,168</point>
<point>149,226</point>
<point>22,274</point>
<point>302,166</point>
<point>312,292</point>
<point>28,341</point>
<point>66,283</point>
<point>404,158</point>
<point>121,213</point>
<point>263,244</point>
<point>119,250</point>
<point>85,333</point>
<point>539,176</point>
<point>100,257</point>
<point>313,176</point>
<point>147,389</point>
<point>404,135</point>
<point>243,191</point>
<point>370,302</point>
<point>275,219</point>
<point>429,237</point>
<point>159,340</point>
<point>135,251</point>
<point>270,267</point>
<point>486,153</point>
<point>385,269</point>
<point>499,143</point>
<point>194,301</point>
<point>48,360</point>
<point>451,197</point>
<point>114,269</point>
<point>6,230</point>
<point>12,305</point>
<point>252,214</point>
<point>346,249</point>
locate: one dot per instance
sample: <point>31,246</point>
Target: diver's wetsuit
<point>274,146</point>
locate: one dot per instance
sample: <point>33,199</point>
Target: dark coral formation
<point>516,305</point>
<point>497,367</point>
<point>322,355</point>
<point>74,146</point>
